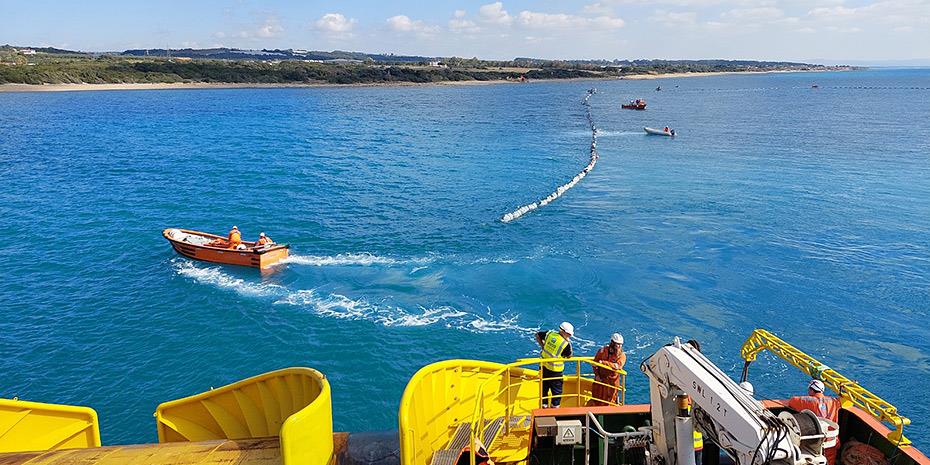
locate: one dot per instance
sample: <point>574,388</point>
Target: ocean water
<point>804,211</point>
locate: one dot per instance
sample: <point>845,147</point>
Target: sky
<point>822,31</point>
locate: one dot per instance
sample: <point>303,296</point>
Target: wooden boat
<point>638,104</point>
<point>196,245</point>
<point>659,132</point>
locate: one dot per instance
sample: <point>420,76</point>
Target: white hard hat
<point>816,385</point>
<point>568,328</point>
<point>616,338</point>
<point>261,234</point>
<point>747,386</point>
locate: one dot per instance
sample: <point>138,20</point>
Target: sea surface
<point>804,211</point>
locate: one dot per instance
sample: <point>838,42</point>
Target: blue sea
<point>804,211</point>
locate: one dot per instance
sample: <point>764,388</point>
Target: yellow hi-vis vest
<point>698,441</point>
<point>552,348</point>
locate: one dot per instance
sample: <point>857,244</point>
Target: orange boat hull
<point>256,258</point>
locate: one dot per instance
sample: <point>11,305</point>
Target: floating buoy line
<point>508,217</point>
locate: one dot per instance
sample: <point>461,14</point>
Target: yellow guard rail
<point>580,382</point>
<point>850,392</point>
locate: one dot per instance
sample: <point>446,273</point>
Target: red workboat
<point>638,104</point>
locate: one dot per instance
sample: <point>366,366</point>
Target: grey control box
<point>568,432</point>
<point>546,427</point>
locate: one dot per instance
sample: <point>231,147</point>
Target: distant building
<point>182,59</point>
<point>299,51</point>
<point>27,51</point>
<point>437,64</point>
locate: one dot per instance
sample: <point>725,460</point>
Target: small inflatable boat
<point>211,248</point>
<point>659,132</point>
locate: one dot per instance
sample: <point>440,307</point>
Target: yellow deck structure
<point>26,426</point>
<point>280,417</point>
<point>493,401</point>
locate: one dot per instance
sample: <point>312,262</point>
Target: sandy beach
<point>634,77</point>
<point>230,85</point>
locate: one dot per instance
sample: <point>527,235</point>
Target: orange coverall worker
<point>611,355</point>
<point>235,238</point>
<point>824,407</point>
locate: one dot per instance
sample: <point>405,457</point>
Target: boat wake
<point>352,259</point>
<point>508,217</point>
<point>339,306</point>
<point>418,263</point>
<point>213,276</point>
<point>606,133</point>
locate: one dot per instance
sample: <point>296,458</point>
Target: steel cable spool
<point>805,430</point>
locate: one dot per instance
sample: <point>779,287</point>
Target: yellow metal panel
<point>269,404</point>
<point>231,422</point>
<point>293,403</point>
<point>34,426</point>
<point>254,417</point>
<point>307,436</point>
<point>182,429</point>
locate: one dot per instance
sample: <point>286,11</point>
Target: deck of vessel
<point>265,451</point>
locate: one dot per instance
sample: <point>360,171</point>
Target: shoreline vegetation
<point>62,70</point>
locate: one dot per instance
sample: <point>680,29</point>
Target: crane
<point>725,413</point>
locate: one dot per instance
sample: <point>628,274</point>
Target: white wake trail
<point>332,305</point>
<point>351,259</point>
<point>508,217</point>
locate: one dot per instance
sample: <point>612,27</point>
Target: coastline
<point>644,77</point>
<point>85,87</point>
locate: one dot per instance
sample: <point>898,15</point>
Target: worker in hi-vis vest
<point>554,344</point>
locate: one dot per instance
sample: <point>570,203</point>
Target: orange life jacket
<point>263,241</point>
<point>235,238</point>
<point>615,361</point>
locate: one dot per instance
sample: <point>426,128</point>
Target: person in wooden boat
<point>607,381</point>
<point>554,344</point>
<point>234,240</point>
<point>822,406</point>
<point>263,241</point>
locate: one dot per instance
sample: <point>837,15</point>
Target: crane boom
<point>849,391</point>
<point>723,412</point>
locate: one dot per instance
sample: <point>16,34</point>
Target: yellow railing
<point>850,392</point>
<point>479,416</point>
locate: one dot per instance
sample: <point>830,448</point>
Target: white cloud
<point>403,23</point>
<point>459,24</point>
<point>494,13</point>
<point>834,12</point>
<point>271,28</point>
<point>752,15</point>
<point>335,25</point>
<point>537,20</point>
<point>459,13</point>
<point>598,8</point>
<point>674,18</point>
